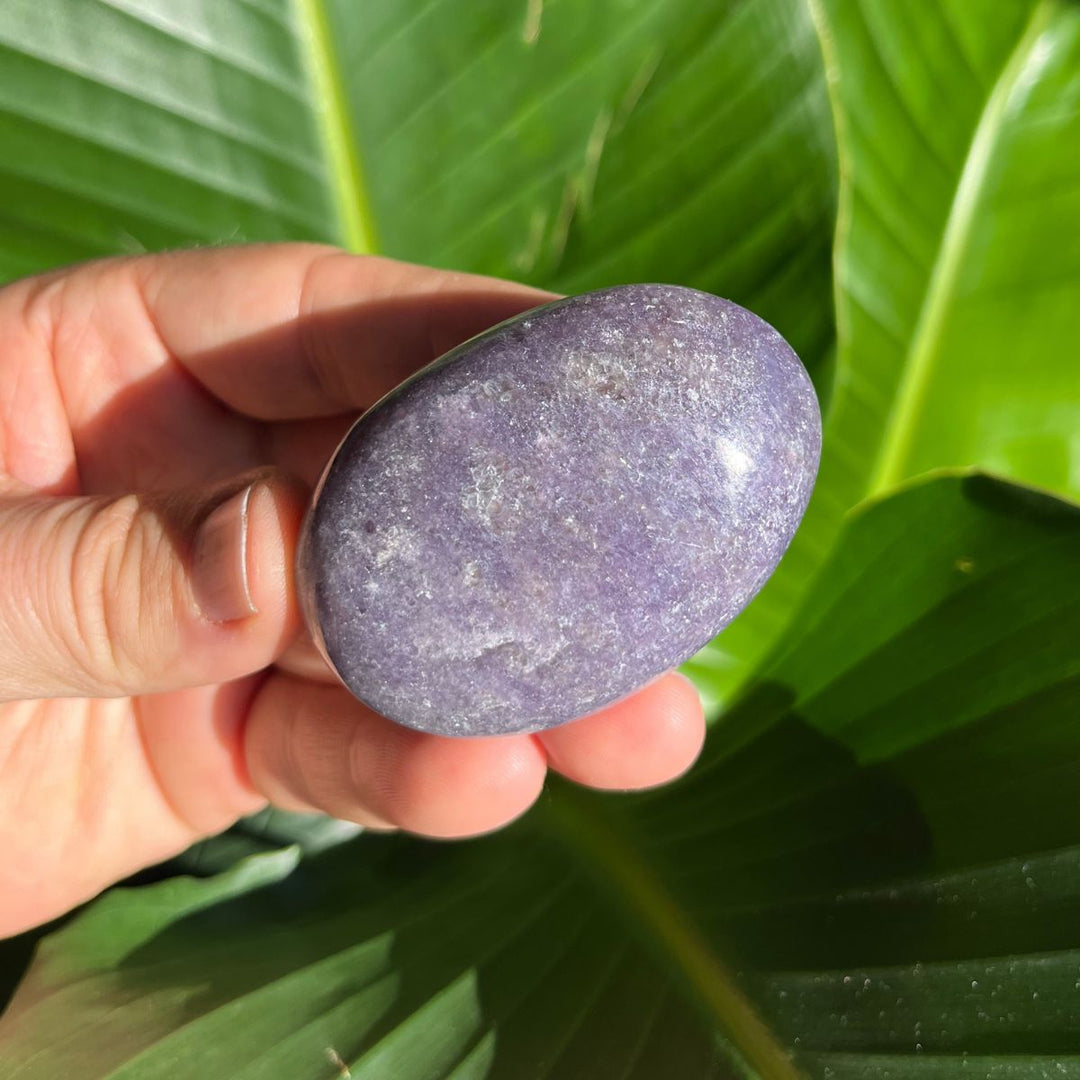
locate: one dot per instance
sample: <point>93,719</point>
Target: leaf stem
<point>608,856</point>
<point>830,65</point>
<point>330,103</point>
<point>911,393</point>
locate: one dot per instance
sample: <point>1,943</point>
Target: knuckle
<point>331,377</point>
<point>110,626</point>
<point>42,301</point>
<point>60,308</point>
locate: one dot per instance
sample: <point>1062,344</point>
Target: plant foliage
<point>875,869</point>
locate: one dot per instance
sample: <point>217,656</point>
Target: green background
<point>874,870</point>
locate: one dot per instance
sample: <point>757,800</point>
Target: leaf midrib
<point>610,858</point>
<point>329,102</point>
<point>918,364</point>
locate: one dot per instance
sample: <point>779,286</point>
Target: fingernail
<point>219,571</point>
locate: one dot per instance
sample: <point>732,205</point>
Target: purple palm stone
<point>559,510</point>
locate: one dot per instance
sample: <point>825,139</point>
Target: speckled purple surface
<point>558,511</point>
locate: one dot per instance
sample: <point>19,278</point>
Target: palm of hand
<point>179,374</point>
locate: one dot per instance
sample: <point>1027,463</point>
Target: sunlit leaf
<point>957,263</point>
<point>570,145</point>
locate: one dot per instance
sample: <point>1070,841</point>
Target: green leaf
<point>957,262</point>
<point>571,145</point>
<point>267,831</point>
<point>875,869</point>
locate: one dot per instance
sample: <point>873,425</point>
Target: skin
<point>135,396</point>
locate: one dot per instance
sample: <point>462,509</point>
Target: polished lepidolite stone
<point>559,510</point>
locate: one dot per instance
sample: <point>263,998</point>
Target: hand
<point>162,420</point>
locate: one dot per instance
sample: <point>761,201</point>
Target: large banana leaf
<point>568,144</point>
<point>870,874</point>
<point>957,262</point>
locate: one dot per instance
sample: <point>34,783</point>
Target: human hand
<point>162,420</point>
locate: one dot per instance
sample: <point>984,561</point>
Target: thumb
<point>107,596</point>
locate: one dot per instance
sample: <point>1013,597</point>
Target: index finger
<point>291,331</point>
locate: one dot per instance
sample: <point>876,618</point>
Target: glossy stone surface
<point>559,510</point>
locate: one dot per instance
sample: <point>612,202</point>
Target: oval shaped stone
<point>559,510</point>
